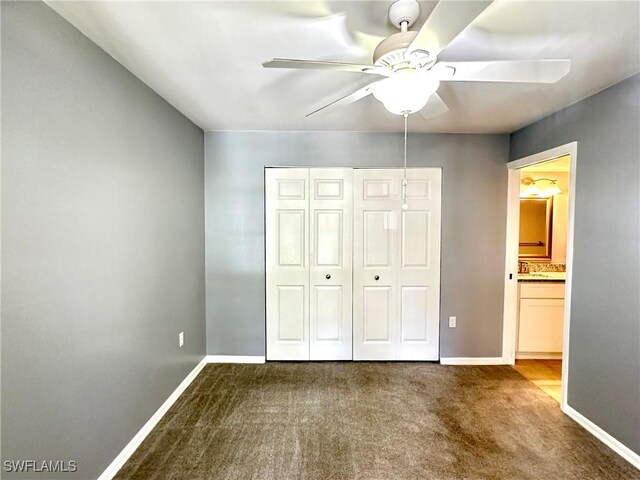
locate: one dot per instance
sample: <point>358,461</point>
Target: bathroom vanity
<point>540,315</point>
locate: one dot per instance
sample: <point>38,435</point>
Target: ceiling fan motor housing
<point>392,48</point>
<point>392,52</point>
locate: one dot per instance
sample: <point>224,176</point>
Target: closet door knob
<point>377,277</point>
<point>328,276</point>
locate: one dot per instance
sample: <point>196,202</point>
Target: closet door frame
<point>393,280</point>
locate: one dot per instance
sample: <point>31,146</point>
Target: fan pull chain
<point>405,206</point>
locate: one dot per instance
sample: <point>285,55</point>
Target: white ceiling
<point>205,59</point>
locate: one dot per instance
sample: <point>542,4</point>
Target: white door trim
<point>511,259</point>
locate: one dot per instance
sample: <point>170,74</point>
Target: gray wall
<point>604,350</point>
<point>102,246</point>
<point>473,226</point>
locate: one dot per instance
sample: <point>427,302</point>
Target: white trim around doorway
<point>511,258</point>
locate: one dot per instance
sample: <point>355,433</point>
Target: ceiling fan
<point>408,61</point>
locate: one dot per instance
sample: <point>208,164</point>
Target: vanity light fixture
<point>534,190</point>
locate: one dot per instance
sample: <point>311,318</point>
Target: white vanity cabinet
<point>540,319</point>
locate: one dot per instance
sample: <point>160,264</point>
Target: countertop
<point>542,277</point>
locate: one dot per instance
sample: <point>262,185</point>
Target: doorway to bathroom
<point>538,265</point>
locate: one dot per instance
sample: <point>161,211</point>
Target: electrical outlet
<point>452,322</point>
<point>181,339</point>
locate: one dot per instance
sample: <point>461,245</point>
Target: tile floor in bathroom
<point>545,374</point>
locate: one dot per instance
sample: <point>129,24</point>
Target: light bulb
<point>552,189</point>
<point>532,190</point>
<point>406,91</point>
<point>405,206</point>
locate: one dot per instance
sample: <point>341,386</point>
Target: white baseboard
<point>235,358</point>
<point>538,356</point>
<point>139,437</point>
<point>625,452</point>
<point>472,361</point>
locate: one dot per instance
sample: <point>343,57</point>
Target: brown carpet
<point>369,421</point>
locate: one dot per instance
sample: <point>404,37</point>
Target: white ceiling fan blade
<point>524,71</point>
<point>319,65</point>
<point>346,100</point>
<point>447,20</point>
<point>434,107</point>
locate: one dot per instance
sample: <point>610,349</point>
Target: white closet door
<point>396,265</point>
<point>376,200</point>
<point>418,292</point>
<point>331,212</point>
<point>287,240</point>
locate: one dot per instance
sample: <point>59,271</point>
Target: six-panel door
<point>418,287</point>
<point>331,210</point>
<point>375,263</point>
<point>396,265</point>
<point>287,263</point>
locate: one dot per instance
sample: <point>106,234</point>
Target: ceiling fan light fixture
<point>405,91</point>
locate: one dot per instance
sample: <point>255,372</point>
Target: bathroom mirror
<point>536,215</point>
